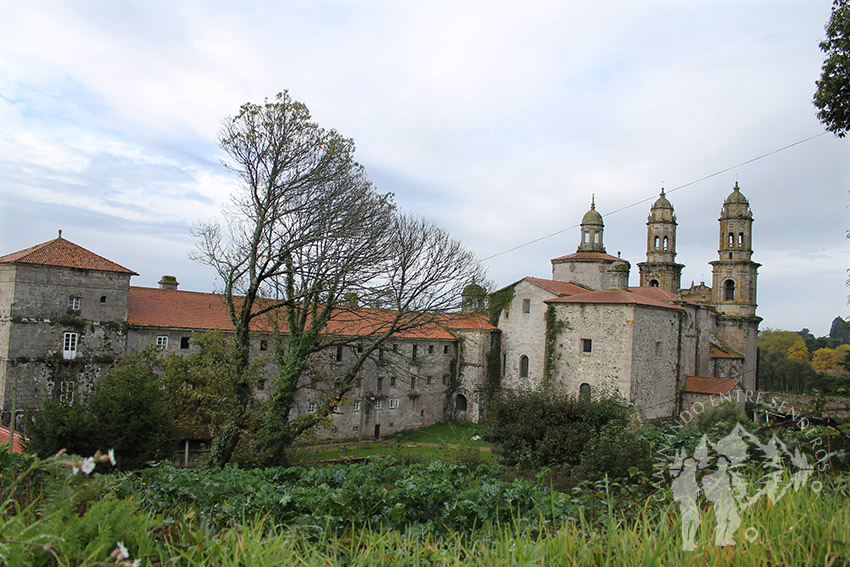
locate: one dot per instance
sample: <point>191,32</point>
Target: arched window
<point>729,290</point>
<point>460,402</point>
<point>665,243</point>
<point>731,239</point>
<point>584,392</point>
<point>655,243</point>
<point>740,240</point>
<point>596,238</point>
<point>587,237</point>
<point>653,283</point>
<point>523,366</point>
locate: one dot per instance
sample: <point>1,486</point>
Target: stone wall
<point>655,367</point>
<point>524,335</point>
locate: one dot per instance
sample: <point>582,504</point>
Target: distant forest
<point>798,362</point>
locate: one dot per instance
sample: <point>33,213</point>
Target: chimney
<point>168,282</point>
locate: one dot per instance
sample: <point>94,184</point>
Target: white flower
<point>112,456</point>
<point>75,470</point>
<point>124,553</point>
<point>87,466</point>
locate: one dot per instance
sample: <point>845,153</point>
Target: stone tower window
<point>584,392</point>
<point>587,237</point>
<point>653,283</point>
<point>523,366</point>
<point>740,240</point>
<point>729,290</point>
<point>665,243</point>
<point>655,243</point>
<point>731,239</point>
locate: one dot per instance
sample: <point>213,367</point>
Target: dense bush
<point>538,428</point>
<point>128,411</point>
<point>719,420</point>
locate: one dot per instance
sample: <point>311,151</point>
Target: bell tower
<point>734,272</point>
<point>660,268</point>
<point>591,230</point>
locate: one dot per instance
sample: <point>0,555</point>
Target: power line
<point>621,209</point>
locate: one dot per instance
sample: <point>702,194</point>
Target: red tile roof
<point>586,256</point>
<point>64,254</point>
<point>559,288</point>
<point>20,440</point>
<point>633,296</point>
<point>717,353</point>
<point>153,307</point>
<point>705,385</point>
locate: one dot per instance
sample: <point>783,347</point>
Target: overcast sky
<point>498,120</point>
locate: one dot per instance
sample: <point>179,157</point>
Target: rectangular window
<point>393,403</point>
<point>184,343</point>
<point>380,384</point>
<point>413,382</point>
<point>445,349</point>
<point>356,428</point>
<point>339,354</point>
<point>428,380</point>
<point>311,407</point>
<point>379,404</point>
<point>444,380</point>
<point>261,384</point>
<point>586,345</point>
<point>414,352</point>
<point>162,342</point>
<point>69,345</point>
<point>356,406</point>
<point>430,349</point>
<point>658,348</point>
<point>103,299</point>
<point>395,347</point>
<point>391,425</point>
<point>264,345</point>
<point>392,382</point>
<point>526,306</point>
<point>74,303</point>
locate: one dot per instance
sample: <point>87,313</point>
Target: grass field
<point>452,442</point>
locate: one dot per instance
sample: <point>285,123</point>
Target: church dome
<point>592,216</point>
<point>662,202</point>
<point>736,197</point>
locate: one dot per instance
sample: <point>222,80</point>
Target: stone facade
<point>67,315</point>
<point>646,341</point>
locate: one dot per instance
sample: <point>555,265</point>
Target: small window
<point>444,380</point>
<point>392,381</point>
<point>356,428</point>
<point>655,243</point>
<point>421,413</point>
<point>391,425</point>
<point>393,403</point>
<point>413,356</point>
<point>596,238</point>
<point>526,306</point>
<point>69,345</point>
<point>264,345</point>
<point>586,345</point>
<point>162,342</point>
<point>731,239</point>
<point>74,303</point>
<point>103,299</point>
<point>504,363</point>
<point>359,348</point>
<point>430,349</point>
<point>311,407</point>
<point>665,243</point>
<point>523,366</point>
<point>413,382</point>
<point>657,348</point>
<point>586,237</point>
<point>184,343</point>
<point>380,384</point>
<point>339,354</point>
<point>584,392</point>
<point>730,255</point>
<point>740,240</point>
<point>653,283</point>
<point>356,406</point>
<point>261,384</point>
<point>428,380</point>
<point>379,404</point>
<point>445,349</point>
<point>395,347</point>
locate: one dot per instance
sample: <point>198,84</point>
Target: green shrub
<point>719,420</point>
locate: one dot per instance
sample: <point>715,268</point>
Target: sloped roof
<point>20,440</point>
<point>171,308</point>
<point>631,296</point>
<point>63,253</point>
<point>707,385</point>
<point>586,256</point>
<point>559,288</point>
<point>717,353</point>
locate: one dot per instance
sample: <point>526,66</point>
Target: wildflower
<point>87,465</point>
<point>111,455</point>
<point>120,552</point>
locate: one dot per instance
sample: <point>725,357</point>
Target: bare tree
<point>306,232</point>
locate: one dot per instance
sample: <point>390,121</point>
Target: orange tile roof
<point>153,307</point>
<point>559,288</point>
<point>617,296</point>
<point>64,254</point>
<point>706,385</point>
<point>717,353</point>
<point>20,440</point>
<point>586,256</point>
